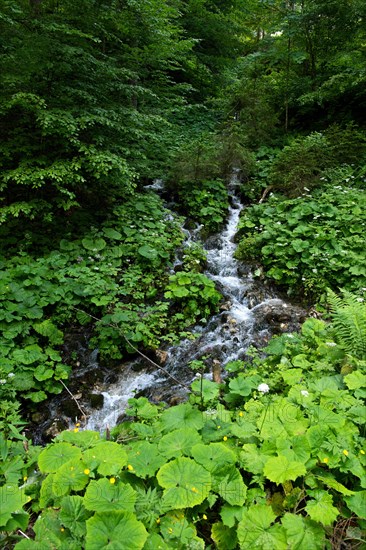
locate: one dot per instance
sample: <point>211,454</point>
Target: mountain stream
<point>250,314</point>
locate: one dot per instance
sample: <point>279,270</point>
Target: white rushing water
<point>225,338</point>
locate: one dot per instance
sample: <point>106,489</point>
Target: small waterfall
<point>226,336</point>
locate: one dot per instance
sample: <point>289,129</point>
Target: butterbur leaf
<point>186,483</point>
<point>73,515</point>
<point>147,252</point>
<point>178,442</point>
<point>279,469</point>
<point>213,456</point>
<point>145,458</point>
<point>229,484</point>
<point>224,537</point>
<point>12,499</point>
<point>83,439</point>
<point>357,504</point>
<point>107,457</point>
<point>106,531</point>
<point>175,526</point>
<point>103,496</point>
<point>155,542</point>
<point>57,455</point>
<point>95,245</point>
<point>303,533</point>
<point>355,380</point>
<point>183,415</point>
<point>112,233</point>
<point>231,514</point>
<point>321,507</point>
<point>69,477</point>
<point>255,530</point>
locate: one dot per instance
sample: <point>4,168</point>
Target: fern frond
<point>349,321</point>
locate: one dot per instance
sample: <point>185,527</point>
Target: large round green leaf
<point>115,531</point>
<point>56,455</point>
<point>107,457</point>
<point>12,499</point>
<point>181,416</point>
<point>213,456</point>
<point>103,496</point>
<point>69,477</point>
<point>95,245</point>
<point>179,442</point>
<point>279,469</point>
<point>186,483</point>
<point>73,515</point>
<point>144,458</point>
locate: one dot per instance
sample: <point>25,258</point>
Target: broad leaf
<point>106,531</point>
<point>144,458</point>
<point>69,477</point>
<point>181,416</point>
<point>186,483</point>
<point>321,508</point>
<point>107,457</point>
<point>12,499</point>
<point>103,496</point>
<point>255,530</point>
<point>73,515</point>
<point>279,469</point>
<point>357,504</point>
<point>213,456</point>
<point>57,455</point>
<point>178,442</point>
<point>303,533</point>
<point>224,537</point>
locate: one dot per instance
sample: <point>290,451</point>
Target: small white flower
<point>305,393</point>
<point>11,375</point>
<point>3,381</point>
<point>263,388</point>
<point>330,344</point>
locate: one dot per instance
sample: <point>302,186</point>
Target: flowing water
<point>226,336</point>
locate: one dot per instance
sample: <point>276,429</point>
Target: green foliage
<point>205,201</point>
<point>274,468</point>
<point>305,161</point>
<point>309,243</point>
<point>349,321</point>
<point>195,292</point>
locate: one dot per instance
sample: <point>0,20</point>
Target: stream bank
<point>250,313</point>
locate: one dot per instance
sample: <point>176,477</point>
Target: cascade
<point>226,336</point>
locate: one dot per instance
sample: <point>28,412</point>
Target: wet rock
<point>161,356</point>
<point>96,400</point>
<point>70,408</point>
<point>278,316</point>
<point>212,242</point>
<point>57,426</point>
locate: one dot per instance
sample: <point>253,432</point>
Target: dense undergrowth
<point>116,273</point>
<point>273,457</point>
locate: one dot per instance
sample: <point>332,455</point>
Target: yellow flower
<point>204,516</point>
<point>112,480</point>
<point>76,430</point>
<point>86,471</point>
<point>224,438</point>
<point>62,529</point>
<point>25,478</point>
<point>170,530</point>
<point>129,467</point>
<point>345,452</point>
<point>77,424</point>
<point>194,490</point>
<point>326,460</point>
<point>362,451</point>
<point>241,413</point>
<point>218,427</point>
<point>158,520</point>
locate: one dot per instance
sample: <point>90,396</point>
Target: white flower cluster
<point>263,388</point>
